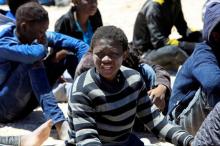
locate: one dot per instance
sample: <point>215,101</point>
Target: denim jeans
<point>16,98</point>
<point>148,75</point>
<point>194,114</point>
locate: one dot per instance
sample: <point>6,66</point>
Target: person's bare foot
<point>62,130</point>
<point>38,136</point>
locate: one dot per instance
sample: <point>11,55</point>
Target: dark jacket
<point>66,24</point>
<point>154,23</point>
<point>202,69</point>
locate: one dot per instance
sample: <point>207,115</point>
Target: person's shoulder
<point>129,72</point>
<point>85,76</point>
<point>202,48</point>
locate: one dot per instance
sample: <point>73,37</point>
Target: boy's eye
<point>110,55</point>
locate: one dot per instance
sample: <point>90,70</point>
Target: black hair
<point>31,12</point>
<point>14,4</point>
<point>110,32</point>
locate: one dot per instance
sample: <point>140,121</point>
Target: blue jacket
<point>11,49</point>
<point>201,69</point>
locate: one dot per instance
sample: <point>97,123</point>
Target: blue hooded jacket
<point>201,69</point>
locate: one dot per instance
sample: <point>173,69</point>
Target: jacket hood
<point>211,18</point>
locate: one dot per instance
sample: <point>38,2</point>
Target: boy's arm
<point>14,51</point>
<point>158,39</point>
<point>162,77</point>
<point>60,41</point>
<point>82,114</point>
<point>207,72</point>
<point>157,123</point>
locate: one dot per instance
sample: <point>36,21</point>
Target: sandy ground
<point>121,13</point>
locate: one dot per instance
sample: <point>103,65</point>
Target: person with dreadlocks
<point>106,99</point>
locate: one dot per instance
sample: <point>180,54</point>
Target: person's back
<point>196,88</point>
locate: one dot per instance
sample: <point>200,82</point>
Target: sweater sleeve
<point>82,116</point>
<point>157,123</point>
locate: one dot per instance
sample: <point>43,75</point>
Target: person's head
<point>32,21</point>
<point>211,27</point>
<point>14,4</point>
<point>109,46</point>
<point>88,7</point>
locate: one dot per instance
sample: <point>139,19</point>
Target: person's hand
<point>173,42</point>
<point>60,55</point>
<point>43,40</point>
<point>157,95</point>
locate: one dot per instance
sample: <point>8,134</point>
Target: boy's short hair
<point>14,4</point>
<point>31,12</point>
<point>112,33</point>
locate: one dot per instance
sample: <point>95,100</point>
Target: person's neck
<point>82,19</point>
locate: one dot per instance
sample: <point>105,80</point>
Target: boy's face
<point>108,56</point>
<point>88,6</point>
<point>31,31</point>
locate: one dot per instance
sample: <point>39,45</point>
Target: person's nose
<point>106,58</point>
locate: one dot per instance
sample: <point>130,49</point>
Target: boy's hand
<point>43,40</point>
<point>60,55</point>
<point>157,95</point>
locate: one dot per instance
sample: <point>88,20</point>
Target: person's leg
<point>208,133</point>
<point>192,116</point>
<point>55,70</point>
<point>43,93</point>
<point>15,93</point>
<point>46,99</point>
<point>169,57</point>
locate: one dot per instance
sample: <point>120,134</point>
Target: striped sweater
<point>103,113</point>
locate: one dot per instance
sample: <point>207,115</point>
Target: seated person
<point>106,99</point>
<point>196,87</point>
<point>151,34</point>
<point>23,60</point>
<point>81,21</point>
<point>157,80</point>
<point>35,138</point>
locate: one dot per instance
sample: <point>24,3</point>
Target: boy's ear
<point>125,55</point>
<point>23,27</point>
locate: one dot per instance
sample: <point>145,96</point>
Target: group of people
<point>116,83</point>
